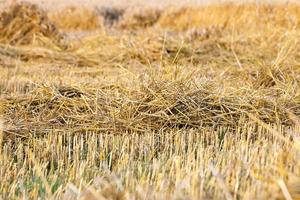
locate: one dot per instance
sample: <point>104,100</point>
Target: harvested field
<point>186,102</point>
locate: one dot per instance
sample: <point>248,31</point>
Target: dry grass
<point>182,103</point>
<point>22,22</point>
<point>137,18</point>
<point>74,18</point>
<point>238,17</point>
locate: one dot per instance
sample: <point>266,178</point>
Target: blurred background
<point>54,4</point>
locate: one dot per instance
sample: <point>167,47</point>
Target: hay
<point>37,39</point>
<point>21,23</point>
<point>154,105</point>
<point>269,77</point>
<point>43,55</point>
<point>135,19</point>
<point>74,18</point>
<point>231,16</point>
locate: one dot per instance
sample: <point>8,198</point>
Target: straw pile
<point>231,16</point>
<point>28,36</point>
<point>21,23</point>
<point>73,18</point>
<point>135,19</point>
<point>154,105</point>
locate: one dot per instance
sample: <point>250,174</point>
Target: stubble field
<point>185,102</point>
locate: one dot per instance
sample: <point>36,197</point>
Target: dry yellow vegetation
<point>74,18</point>
<point>176,103</point>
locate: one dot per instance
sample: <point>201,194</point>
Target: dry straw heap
<point>127,103</point>
<point>21,23</point>
<point>75,18</point>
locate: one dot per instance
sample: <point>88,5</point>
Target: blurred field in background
<point>172,102</point>
<point>56,4</point>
